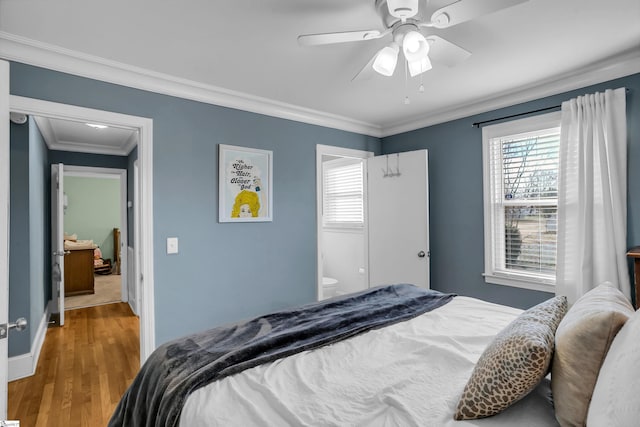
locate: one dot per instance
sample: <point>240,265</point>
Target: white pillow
<point>615,397</point>
<point>582,341</point>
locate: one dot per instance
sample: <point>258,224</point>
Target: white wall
<point>343,256</point>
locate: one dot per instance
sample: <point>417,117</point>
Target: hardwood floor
<point>83,370</point>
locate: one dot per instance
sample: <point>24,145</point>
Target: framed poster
<point>245,184</point>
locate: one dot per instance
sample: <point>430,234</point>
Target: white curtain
<point>592,195</point>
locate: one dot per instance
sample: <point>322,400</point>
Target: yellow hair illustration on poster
<point>246,205</point>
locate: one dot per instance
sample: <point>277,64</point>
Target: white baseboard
<point>131,306</point>
<point>132,296</point>
<point>24,365</point>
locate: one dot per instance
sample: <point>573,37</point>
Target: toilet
<point>329,285</point>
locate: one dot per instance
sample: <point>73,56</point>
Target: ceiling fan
<point>405,20</point>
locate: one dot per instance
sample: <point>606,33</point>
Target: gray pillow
<point>514,363</point>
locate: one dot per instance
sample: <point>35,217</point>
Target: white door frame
<point>330,150</point>
<point>136,237</point>
<point>144,126</point>
<point>121,175</point>
<point>4,230</point>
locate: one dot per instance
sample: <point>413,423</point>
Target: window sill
<point>343,229</point>
<point>520,282</point>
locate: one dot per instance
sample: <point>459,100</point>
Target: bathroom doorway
<point>342,221</point>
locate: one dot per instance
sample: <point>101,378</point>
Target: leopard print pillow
<point>514,363</point>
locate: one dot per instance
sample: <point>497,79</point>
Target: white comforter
<point>407,374</point>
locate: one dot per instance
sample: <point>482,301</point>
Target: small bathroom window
<point>343,193</point>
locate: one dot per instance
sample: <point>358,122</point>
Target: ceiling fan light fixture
<point>96,126</point>
<point>403,9</point>
<point>419,66</point>
<point>18,118</point>
<point>386,60</point>
<point>415,46</point>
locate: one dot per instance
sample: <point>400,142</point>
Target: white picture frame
<point>245,184</point>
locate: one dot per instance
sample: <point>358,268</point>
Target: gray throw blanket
<point>175,369</point>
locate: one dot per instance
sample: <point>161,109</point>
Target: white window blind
<point>343,193</point>
<point>521,204</point>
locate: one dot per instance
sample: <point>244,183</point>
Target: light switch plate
<point>172,245</point>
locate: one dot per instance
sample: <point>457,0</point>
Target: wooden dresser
<point>635,254</point>
<point>78,272</point>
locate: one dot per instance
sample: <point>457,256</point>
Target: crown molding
<point>53,143</point>
<point>44,126</point>
<point>20,49</point>
<point>622,65</point>
<point>79,147</point>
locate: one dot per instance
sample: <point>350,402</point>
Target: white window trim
<point>513,279</point>
<point>524,282</point>
<point>338,225</point>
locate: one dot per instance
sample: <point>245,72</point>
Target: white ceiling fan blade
<point>367,71</point>
<point>444,52</point>
<point>466,10</point>
<point>347,36</point>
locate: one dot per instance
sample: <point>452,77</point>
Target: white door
<point>399,219</point>
<point>57,241</point>
<point>4,231</point>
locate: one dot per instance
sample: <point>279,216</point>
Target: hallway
<point>107,290</point>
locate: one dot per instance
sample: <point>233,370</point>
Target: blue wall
<point>87,159</point>
<point>456,203</point>
<point>39,226</point>
<point>19,268</point>
<point>29,272</point>
<point>223,272</point>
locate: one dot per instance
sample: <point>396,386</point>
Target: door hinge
<point>3,331</point>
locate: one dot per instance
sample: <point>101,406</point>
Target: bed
<point>390,356</point>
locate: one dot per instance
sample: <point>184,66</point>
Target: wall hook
<point>389,173</point>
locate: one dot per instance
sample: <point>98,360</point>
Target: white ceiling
<point>67,135</point>
<point>244,54</point>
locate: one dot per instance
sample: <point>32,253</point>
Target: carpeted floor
<point>107,289</point>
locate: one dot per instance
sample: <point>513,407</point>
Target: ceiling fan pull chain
<point>407,101</point>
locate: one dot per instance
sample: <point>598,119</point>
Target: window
<point>343,193</point>
<point>521,201</point>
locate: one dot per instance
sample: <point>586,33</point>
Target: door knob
<point>18,325</point>
<point>421,254</point>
